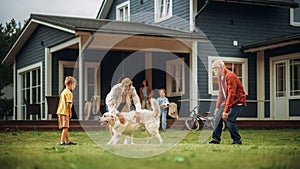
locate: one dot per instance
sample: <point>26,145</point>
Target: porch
<point>8,125</point>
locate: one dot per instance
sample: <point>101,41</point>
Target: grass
<point>261,149</point>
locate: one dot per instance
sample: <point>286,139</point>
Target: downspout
<point>202,8</point>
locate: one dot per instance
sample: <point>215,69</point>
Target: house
<point>172,44</point>
<point>99,53</point>
<point>257,39</point>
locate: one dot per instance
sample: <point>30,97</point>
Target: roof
<point>104,9</point>
<point>272,43</point>
<point>113,26</point>
<point>76,24</point>
<point>274,3</point>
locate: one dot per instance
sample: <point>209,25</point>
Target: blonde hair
<point>70,80</point>
<point>126,81</point>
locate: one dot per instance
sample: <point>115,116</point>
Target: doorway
<point>285,86</point>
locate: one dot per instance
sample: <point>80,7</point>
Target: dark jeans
<point>231,123</point>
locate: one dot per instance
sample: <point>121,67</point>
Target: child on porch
<point>64,110</point>
<point>163,102</point>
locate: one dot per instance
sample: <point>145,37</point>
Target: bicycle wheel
<point>192,124</point>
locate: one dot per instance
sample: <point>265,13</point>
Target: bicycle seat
<point>207,113</point>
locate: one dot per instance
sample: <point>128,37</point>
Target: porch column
<point>148,65</point>
<point>48,78</point>
<point>81,82</point>
<point>194,76</point>
<point>260,59</point>
<point>15,103</point>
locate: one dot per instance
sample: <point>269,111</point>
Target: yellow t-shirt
<point>66,96</point>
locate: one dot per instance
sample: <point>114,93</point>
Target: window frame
<point>292,16</point>
<point>21,106</point>
<point>169,77</point>
<point>87,65</point>
<point>291,75</point>
<point>123,6</point>
<point>243,61</point>
<point>157,9</point>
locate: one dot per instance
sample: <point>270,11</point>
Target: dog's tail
<point>155,107</point>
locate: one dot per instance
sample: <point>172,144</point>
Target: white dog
<point>150,120</point>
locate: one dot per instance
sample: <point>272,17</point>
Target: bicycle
<point>194,121</point>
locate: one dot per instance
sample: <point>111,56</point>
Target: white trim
<point>272,79</point>
<point>82,82</point>
<point>193,12</point>
<point>65,44</point>
<point>123,5</point>
<point>97,73</point>
<point>194,75</point>
<point>176,63</point>
<point>53,26</point>
<point>292,18</point>
<point>48,72</point>
<point>232,60</point>
<point>14,90</point>
<point>48,77</point>
<point>260,83</point>
<point>19,101</point>
<point>31,25</point>
<point>61,66</point>
<point>157,17</point>
<point>30,28</point>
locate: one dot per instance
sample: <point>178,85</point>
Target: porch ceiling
<point>140,42</point>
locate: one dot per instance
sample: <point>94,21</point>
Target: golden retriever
<point>149,119</point>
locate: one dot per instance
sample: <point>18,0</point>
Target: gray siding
<point>64,55</point>
<point>144,12</point>
<point>112,12</point>
<point>225,22</point>
<point>34,49</point>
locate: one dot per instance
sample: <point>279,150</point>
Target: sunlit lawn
<point>262,149</point>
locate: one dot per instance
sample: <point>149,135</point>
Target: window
<point>295,77</point>
<point>123,11</point>
<point>237,65</point>
<point>30,89</point>
<point>295,15</point>
<point>281,79</point>
<point>175,77</point>
<point>162,10</point>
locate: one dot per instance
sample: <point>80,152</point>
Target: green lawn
<point>262,149</point>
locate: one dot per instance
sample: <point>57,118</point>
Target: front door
<point>281,90</point>
<point>285,80</point>
<point>91,81</point>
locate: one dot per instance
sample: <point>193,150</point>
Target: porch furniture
<point>33,110</point>
<point>52,102</point>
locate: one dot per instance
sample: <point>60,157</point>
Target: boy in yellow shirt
<point>64,110</point>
